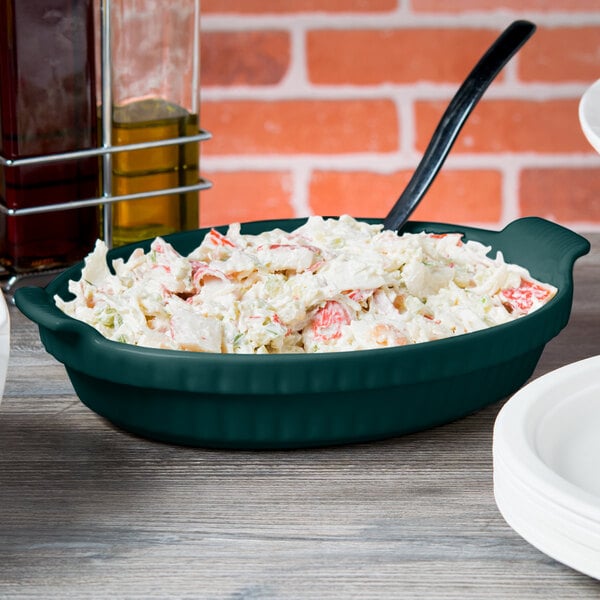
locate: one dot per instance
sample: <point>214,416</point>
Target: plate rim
<point>513,444</point>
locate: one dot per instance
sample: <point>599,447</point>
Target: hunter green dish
<point>304,400</point>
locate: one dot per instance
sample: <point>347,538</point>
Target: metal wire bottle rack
<point>11,281</point>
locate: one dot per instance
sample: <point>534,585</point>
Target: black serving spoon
<point>465,99</point>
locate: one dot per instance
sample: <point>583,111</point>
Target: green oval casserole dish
<point>305,400</point>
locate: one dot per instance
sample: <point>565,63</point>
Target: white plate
<point>546,453</point>
<point>589,115</point>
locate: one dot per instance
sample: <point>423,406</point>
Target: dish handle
<point>555,244</point>
<point>34,303</point>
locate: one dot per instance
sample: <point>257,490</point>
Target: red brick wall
<point>325,107</point>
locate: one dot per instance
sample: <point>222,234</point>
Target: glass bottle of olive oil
<point>155,72</point>
<point>152,169</point>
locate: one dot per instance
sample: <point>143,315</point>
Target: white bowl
<point>4,342</point>
<point>589,115</point>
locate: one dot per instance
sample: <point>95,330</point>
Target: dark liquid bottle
<point>47,106</point>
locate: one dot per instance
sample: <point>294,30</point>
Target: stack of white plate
<point>546,453</point>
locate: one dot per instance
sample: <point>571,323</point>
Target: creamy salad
<point>330,285</point>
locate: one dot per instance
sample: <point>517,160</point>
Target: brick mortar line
<point>509,198</point>
<point>399,19</point>
<point>299,194</point>
<point>405,109</point>
<point>297,73</point>
<point>392,162</point>
<point>288,90</point>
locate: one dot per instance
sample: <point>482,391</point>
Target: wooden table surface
<point>87,511</point>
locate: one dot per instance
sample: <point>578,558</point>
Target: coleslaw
<point>330,285</point>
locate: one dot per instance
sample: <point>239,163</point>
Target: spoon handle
<point>465,99</point>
